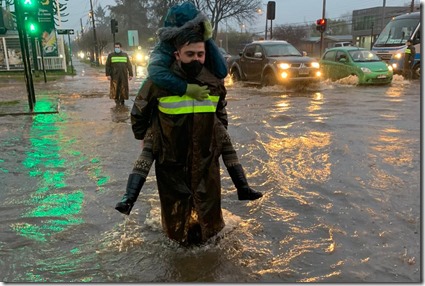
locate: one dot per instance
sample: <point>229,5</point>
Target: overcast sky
<point>287,11</point>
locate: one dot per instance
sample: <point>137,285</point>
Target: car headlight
<point>315,65</point>
<point>365,70</point>
<point>139,57</point>
<point>390,68</point>
<point>284,66</point>
<point>397,56</point>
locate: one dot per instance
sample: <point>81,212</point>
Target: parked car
<point>337,63</point>
<point>274,62</point>
<point>342,44</point>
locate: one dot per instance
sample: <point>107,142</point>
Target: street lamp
<point>242,25</point>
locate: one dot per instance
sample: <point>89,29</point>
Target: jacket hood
<point>179,17</point>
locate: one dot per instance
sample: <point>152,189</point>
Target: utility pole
<point>383,15</point>
<point>412,6</point>
<point>95,54</point>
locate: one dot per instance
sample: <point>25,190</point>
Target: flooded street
<point>339,166</point>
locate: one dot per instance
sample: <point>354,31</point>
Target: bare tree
<point>243,11</point>
<point>292,34</point>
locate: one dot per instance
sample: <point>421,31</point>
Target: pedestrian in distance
<point>163,77</point>
<point>119,71</point>
<point>409,59</point>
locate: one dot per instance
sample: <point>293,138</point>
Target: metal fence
<point>11,56</point>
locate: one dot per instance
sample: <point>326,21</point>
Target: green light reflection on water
<point>61,205</point>
<point>96,174</point>
<point>56,207</point>
<point>45,106</point>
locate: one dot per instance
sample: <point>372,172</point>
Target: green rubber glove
<point>197,92</point>
<point>208,30</point>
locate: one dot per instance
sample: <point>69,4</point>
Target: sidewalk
<point>89,81</point>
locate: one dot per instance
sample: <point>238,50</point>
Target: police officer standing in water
<point>409,59</point>
<point>119,71</point>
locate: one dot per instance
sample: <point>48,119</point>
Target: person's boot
<point>244,190</point>
<point>134,185</point>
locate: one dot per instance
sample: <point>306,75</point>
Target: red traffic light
<point>321,25</point>
<point>321,22</point>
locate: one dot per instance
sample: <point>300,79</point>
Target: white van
<point>342,44</point>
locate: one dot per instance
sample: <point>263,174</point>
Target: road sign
<point>133,38</point>
<point>65,31</point>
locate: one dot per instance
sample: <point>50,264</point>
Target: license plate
<point>303,71</point>
<point>382,76</point>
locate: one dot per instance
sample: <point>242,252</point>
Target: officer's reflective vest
<point>118,59</point>
<point>408,51</point>
<point>185,104</point>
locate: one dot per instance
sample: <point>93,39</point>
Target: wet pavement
<point>339,166</point>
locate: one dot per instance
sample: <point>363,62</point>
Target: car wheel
<point>235,75</point>
<point>269,79</point>
<point>416,71</point>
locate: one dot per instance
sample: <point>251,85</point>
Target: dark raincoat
<point>184,15</point>
<point>186,150</point>
<point>118,67</point>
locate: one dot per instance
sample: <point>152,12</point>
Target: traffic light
<point>29,6</point>
<point>29,14</point>
<point>271,7</point>
<point>31,25</point>
<point>321,25</point>
<point>114,26</point>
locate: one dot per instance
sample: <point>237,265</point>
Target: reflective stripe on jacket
<point>407,51</point>
<point>118,59</point>
<point>185,104</point>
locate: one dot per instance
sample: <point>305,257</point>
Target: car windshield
<point>364,56</point>
<point>281,50</point>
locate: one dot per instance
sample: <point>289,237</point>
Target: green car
<point>337,63</point>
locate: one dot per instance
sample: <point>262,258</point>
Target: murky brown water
<point>339,166</point>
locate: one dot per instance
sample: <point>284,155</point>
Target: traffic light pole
<point>321,33</point>
<point>70,54</point>
<point>25,55</point>
<point>42,60</point>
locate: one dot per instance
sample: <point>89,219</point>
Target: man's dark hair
<point>189,36</point>
<point>118,44</point>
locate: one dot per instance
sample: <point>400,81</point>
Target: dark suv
<point>274,62</point>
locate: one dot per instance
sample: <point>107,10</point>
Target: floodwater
<point>339,166</point>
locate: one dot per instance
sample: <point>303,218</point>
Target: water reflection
<point>120,113</point>
<point>54,205</point>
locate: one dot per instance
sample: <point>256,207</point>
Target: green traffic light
<point>28,2</point>
<point>29,5</point>
<point>32,25</point>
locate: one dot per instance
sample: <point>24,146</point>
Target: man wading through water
<point>180,17</point>
<point>119,71</point>
<point>187,142</point>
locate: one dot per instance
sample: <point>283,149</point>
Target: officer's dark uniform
<point>409,58</point>
<point>118,67</point>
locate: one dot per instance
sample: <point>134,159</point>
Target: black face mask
<point>191,69</point>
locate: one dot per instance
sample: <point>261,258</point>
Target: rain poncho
<point>186,147</point>
<point>118,67</point>
<point>179,17</point>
